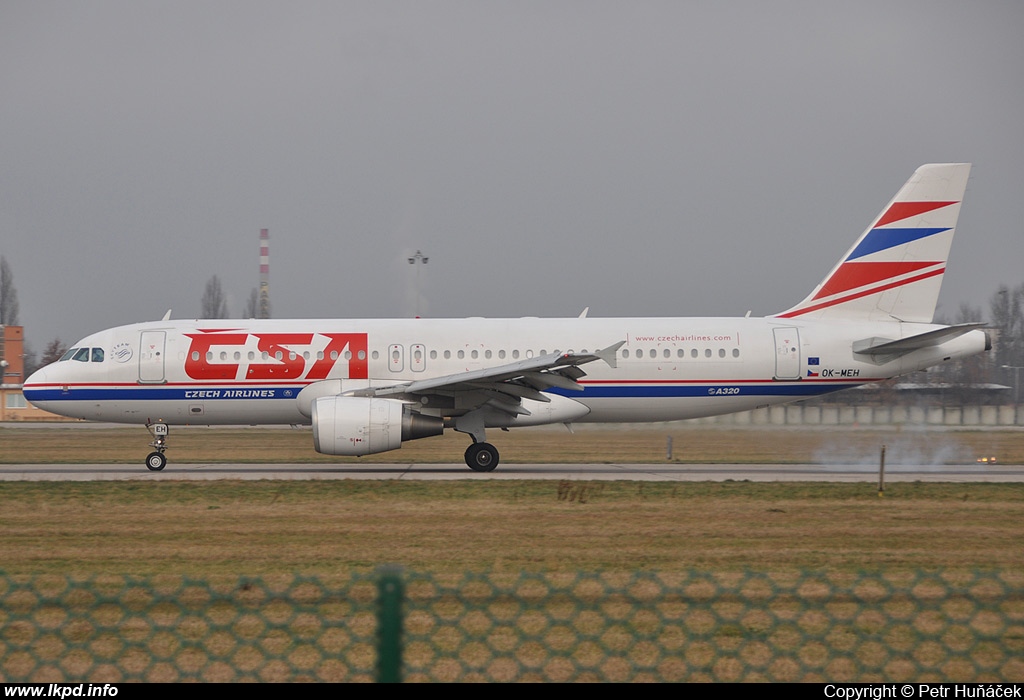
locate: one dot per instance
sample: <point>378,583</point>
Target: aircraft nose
<point>37,377</point>
<point>34,386</point>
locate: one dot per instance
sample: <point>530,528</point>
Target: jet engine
<point>352,425</point>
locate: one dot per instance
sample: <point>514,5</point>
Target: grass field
<point>248,528</point>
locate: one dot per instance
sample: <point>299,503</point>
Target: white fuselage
<point>251,372</point>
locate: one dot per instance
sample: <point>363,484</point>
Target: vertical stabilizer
<point>894,270</point>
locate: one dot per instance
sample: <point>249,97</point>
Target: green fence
<point>400,625</point>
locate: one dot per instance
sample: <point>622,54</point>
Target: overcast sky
<point>640,158</point>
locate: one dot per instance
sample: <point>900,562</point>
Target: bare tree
<point>214,303</point>
<point>1008,317</point>
<point>55,350</point>
<point>8,296</point>
<point>253,305</point>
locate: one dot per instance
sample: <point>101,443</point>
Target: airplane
<point>368,385</point>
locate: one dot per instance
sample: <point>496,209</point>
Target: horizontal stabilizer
<point>886,346</point>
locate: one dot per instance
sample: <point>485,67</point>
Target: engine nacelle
<point>351,425</point>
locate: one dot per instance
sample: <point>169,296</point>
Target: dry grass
<point>327,528</point>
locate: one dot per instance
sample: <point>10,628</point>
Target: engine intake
<point>354,426</point>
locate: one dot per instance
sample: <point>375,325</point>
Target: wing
<point>503,386</point>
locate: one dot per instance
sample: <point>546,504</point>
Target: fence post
<point>389,625</point>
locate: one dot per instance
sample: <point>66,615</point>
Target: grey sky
<point>640,158</point>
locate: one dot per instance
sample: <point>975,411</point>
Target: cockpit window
<point>68,354</point>
<point>97,354</point>
<point>82,355</point>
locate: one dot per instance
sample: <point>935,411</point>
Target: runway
<point>970,473</point>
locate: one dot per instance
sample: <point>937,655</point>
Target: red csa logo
<point>275,356</point>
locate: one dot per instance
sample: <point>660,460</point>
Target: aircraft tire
<point>156,461</point>
<point>482,457</point>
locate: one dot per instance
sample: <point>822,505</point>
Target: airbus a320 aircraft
<point>366,386</point>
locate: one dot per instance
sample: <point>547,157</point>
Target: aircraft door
<point>787,353</point>
<point>417,358</point>
<point>151,357</point>
<point>396,358</point>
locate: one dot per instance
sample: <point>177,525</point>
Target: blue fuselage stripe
<point>235,393</point>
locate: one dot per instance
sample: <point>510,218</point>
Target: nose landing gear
<point>156,461</point>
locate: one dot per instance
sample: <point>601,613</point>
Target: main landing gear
<point>482,457</point>
<point>156,461</point>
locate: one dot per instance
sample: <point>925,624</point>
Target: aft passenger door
<point>787,353</point>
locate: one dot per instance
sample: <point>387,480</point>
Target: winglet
<point>167,316</point>
<point>609,354</point>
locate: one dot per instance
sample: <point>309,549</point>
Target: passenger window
<point>707,353</point>
<point>447,354</point>
<point>735,352</point>
<point>97,354</point>
<point>721,352</point>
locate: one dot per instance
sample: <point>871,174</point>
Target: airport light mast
<point>419,259</point>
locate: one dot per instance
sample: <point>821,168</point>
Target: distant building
<point>13,406</point>
<point>12,354</point>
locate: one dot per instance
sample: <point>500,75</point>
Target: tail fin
<point>894,270</point>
